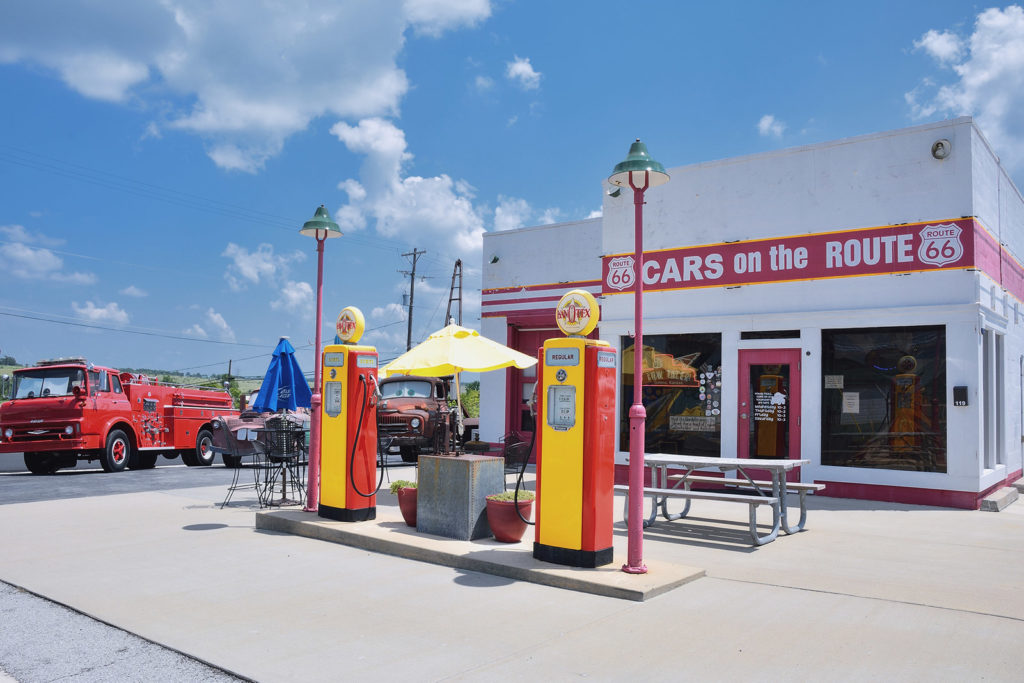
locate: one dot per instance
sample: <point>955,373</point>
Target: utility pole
<point>415,254</point>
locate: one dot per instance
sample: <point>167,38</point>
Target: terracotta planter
<point>407,504</point>
<point>505,524</point>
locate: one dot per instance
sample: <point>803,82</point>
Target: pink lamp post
<point>320,227</point>
<point>639,172</point>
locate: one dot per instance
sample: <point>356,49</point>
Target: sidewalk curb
<point>511,561</point>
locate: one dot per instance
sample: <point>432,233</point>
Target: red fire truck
<point>65,410</point>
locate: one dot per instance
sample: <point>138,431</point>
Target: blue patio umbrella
<point>284,385</point>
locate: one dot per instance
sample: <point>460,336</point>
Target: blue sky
<point>158,157</point>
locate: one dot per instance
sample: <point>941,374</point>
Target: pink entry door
<point>769,405</point>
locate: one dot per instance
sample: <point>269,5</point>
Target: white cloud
<point>596,213</point>
<point>511,213</point>
<point>263,268</point>
<point>483,83</point>
<point>132,290</point>
<point>111,313</point>
<point>196,331</point>
<point>433,17</point>
<point>521,72</point>
<point>990,80</point>
<point>102,75</point>
<point>549,216</point>
<point>28,263</point>
<point>404,207</point>
<point>390,312</point>
<point>18,233</point>
<point>216,320</point>
<point>294,297</point>
<point>944,46</point>
<point>252,267</point>
<point>245,75</point>
<point>769,126</point>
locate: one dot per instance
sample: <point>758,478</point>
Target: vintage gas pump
<point>576,440</point>
<point>904,427</point>
<point>348,434</point>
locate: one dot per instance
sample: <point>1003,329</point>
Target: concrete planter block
<point>452,498</point>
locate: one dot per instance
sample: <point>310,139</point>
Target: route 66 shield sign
<point>620,273</point>
<point>940,244</point>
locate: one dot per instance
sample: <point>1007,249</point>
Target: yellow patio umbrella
<point>452,350</point>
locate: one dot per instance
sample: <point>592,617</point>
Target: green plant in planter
<point>407,493</point>
<point>402,484</point>
<point>509,496</point>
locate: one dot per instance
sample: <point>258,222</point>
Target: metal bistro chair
<point>251,456</point>
<point>285,450</point>
<point>516,452</point>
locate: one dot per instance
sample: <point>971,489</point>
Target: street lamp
<point>320,226</point>
<point>639,172</point>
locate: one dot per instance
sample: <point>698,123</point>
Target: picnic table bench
<point>791,487</point>
<point>660,495</point>
<point>763,492</point>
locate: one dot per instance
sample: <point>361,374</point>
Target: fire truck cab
<point>65,410</point>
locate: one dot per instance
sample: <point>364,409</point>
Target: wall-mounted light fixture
<point>941,149</point>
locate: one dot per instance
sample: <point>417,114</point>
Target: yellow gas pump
<point>348,433</point>
<point>904,428</point>
<point>576,440</point>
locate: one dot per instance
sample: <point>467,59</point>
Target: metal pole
<point>637,413</point>
<point>313,481</point>
<point>412,292</point>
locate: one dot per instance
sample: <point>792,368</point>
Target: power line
<point>126,330</point>
<point>263,355</point>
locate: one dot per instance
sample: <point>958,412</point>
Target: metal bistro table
<point>285,446</point>
<point>660,464</point>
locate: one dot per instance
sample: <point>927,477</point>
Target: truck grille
<point>25,434</point>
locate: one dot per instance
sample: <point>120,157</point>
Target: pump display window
<point>884,398</point>
<point>682,393</point>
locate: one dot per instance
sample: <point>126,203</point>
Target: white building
<point>856,303</point>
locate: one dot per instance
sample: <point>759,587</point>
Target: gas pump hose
<point>355,444</point>
<point>519,478</point>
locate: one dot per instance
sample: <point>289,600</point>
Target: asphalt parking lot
<point>53,642</point>
<point>870,590</point>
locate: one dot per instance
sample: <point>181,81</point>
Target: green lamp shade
<point>637,161</point>
<point>320,225</point>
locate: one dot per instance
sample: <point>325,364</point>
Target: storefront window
<point>884,398</point>
<point>682,393</point>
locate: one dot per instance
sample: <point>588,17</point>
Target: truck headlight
<point>8,433</point>
<point>69,430</point>
<point>415,423</point>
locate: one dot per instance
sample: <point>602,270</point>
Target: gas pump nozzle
<point>377,396</point>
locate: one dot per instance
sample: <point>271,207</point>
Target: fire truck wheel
<point>410,453</point>
<point>41,463</point>
<point>204,448</point>
<point>119,449</point>
<point>142,461</point>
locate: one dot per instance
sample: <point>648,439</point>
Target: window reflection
<point>682,393</point>
<point>884,398</point>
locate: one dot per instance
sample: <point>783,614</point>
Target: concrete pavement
<point>870,590</point>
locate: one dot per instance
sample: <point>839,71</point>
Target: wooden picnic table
<point>676,484</point>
